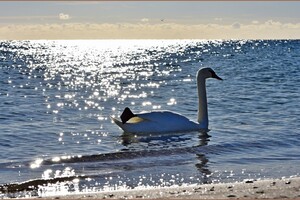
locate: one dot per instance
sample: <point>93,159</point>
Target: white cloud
<point>255,22</point>
<point>264,30</point>
<point>145,20</point>
<point>63,16</point>
<point>272,23</point>
<point>218,19</point>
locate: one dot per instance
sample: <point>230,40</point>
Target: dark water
<point>56,98</point>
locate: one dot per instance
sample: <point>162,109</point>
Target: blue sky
<point>132,19</point>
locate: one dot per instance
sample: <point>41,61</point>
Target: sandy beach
<point>285,188</point>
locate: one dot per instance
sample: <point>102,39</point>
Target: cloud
<point>63,16</point>
<point>145,20</point>
<point>273,23</point>
<point>264,30</point>
<point>218,19</point>
<point>236,25</point>
<point>255,22</point>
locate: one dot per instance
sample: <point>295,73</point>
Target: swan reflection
<point>173,144</point>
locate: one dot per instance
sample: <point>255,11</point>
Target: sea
<point>57,97</point>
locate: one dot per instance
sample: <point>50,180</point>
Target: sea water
<point>56,99</point>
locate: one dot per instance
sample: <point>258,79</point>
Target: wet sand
<point>248,189</point>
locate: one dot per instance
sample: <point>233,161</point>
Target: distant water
<point>56,98</point>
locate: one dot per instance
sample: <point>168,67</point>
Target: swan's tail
<point>126,115</point>
<point>119,123</point>
<point>127,118</point>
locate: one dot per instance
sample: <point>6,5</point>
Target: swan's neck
<point>202,104</point>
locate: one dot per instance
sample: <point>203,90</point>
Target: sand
<point>248,189</point>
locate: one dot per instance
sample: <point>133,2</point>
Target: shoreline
<point>285,188</point>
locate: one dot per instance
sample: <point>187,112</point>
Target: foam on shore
<point>248,189</point>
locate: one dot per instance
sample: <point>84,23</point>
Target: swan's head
<point>207,73</point>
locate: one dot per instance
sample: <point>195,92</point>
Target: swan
<point>167,121</point>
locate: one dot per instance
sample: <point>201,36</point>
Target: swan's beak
<point>214,75</point>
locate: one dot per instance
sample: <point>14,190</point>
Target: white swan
<point>166,121</point>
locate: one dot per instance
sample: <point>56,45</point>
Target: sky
<point>149,20</point>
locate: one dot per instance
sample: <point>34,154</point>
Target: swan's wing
<point>164,117</point>
<point>135,119</point>
<point>157,116</point>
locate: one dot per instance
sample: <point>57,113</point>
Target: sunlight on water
<point>87,73</point>
<point>37,163</point>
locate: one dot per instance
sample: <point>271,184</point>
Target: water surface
<point>56,98</point>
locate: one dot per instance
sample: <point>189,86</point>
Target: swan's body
<point>166,121</point>
<point>158,121</point>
